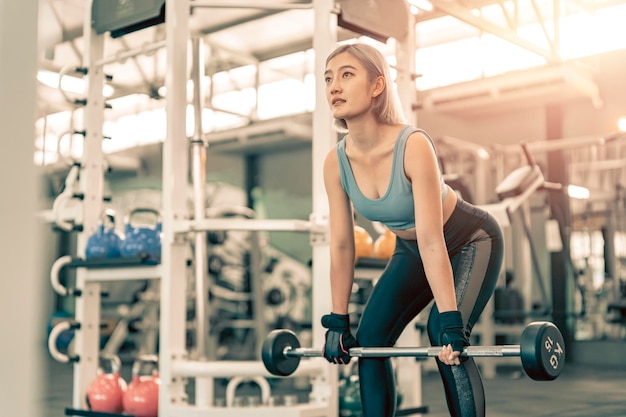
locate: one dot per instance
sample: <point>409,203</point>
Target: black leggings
<point>475,246</point>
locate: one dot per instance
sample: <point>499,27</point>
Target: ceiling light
<point>578,192</point>
<point>621,124</point>
<point>422,5</point>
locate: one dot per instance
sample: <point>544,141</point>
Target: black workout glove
<point>452,331</point>
<point>339,340</point>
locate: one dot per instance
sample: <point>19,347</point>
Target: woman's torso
<point>377,184</point>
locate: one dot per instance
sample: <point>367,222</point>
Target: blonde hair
<point>386,107</point>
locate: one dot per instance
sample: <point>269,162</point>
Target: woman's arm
<point>341,222</point>
<point>421,167</point>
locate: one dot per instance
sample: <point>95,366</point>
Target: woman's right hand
<point>339,339</point>
<point>452,336</point>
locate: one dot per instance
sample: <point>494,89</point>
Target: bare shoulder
<point>331,167</point>
<point>418,144</point>
<point>331,159</point>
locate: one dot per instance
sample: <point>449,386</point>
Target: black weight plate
<point>542,350</point>
<point>273,356</point>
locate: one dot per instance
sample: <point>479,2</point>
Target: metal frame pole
<point>204,386</point>
<point>409,371</point>
<point>325,387</point>
<point>175,171</point>
<point>87,342</point>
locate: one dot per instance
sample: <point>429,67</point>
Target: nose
<point>334,87</point>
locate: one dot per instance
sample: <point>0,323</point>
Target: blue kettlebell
<point>142,241</point>
<point>105,243</point>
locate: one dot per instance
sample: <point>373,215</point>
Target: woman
<point>446,249</point>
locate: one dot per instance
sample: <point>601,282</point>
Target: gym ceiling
<point>241,36</point>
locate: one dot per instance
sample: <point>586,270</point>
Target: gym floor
<point>580,391</point>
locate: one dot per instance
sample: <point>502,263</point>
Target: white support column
<point>175,171</point>
<point>405,62</point>
<point>409,370</point>
<point>87,341</point>
<point>22,287</point>
<point>204,386</point>
<point>324,388</point>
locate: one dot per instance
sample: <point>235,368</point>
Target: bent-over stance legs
<point>403,291</point>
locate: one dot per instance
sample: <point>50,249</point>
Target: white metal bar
<point>204,386</point>
<point>465,15</point>
<point>557,12</point>
<point>565,143</point>
<point>541,21</point>
<point>488,333</point>
<point>250,4</point>
<point>479,152</point>
<point>324,389</point>
<point>233,384</point>
<point>299,410</point>
<point>52,342</point>
<point>275,225</point>
<point>87,311</point>
<point>131,53</point>
<point>122,274</point>
<point>246,134</point>
<point>172,334</point>
<point>601,165</point>
<point>409,371</point>
<point>55,271</point>
<point>224,369</point>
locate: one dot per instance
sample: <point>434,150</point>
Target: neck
<point>367,134</point>
<point>364,132</point>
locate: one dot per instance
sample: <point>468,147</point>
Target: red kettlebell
<point>141,399</point>
<point>106,392</point>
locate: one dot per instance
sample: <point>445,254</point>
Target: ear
<point>379,86</point>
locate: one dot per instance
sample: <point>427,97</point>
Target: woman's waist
<point>448,207</point>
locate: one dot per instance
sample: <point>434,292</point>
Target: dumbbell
<point>541,349</point>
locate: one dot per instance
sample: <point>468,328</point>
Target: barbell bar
<point>541,349</point>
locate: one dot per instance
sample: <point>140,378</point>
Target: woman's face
<point>349,91</point>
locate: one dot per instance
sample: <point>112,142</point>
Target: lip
<point>336,101</point>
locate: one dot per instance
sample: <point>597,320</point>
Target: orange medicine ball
<point>384,245</point>
<point>363,243</point>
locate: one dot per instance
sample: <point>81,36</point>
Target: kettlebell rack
<point>125,268</point>
<point>95,271</point>
<point>99,270</point>
<point>86,413</point>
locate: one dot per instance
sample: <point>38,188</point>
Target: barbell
<point>541,349</point>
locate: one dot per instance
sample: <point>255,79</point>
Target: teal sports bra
<point>395,209</point>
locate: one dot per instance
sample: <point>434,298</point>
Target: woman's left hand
<point>448,356</point>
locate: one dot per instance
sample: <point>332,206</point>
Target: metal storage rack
<point>175,366</point>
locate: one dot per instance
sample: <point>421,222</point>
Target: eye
<point>328,80</point>
<point>347,74</point>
